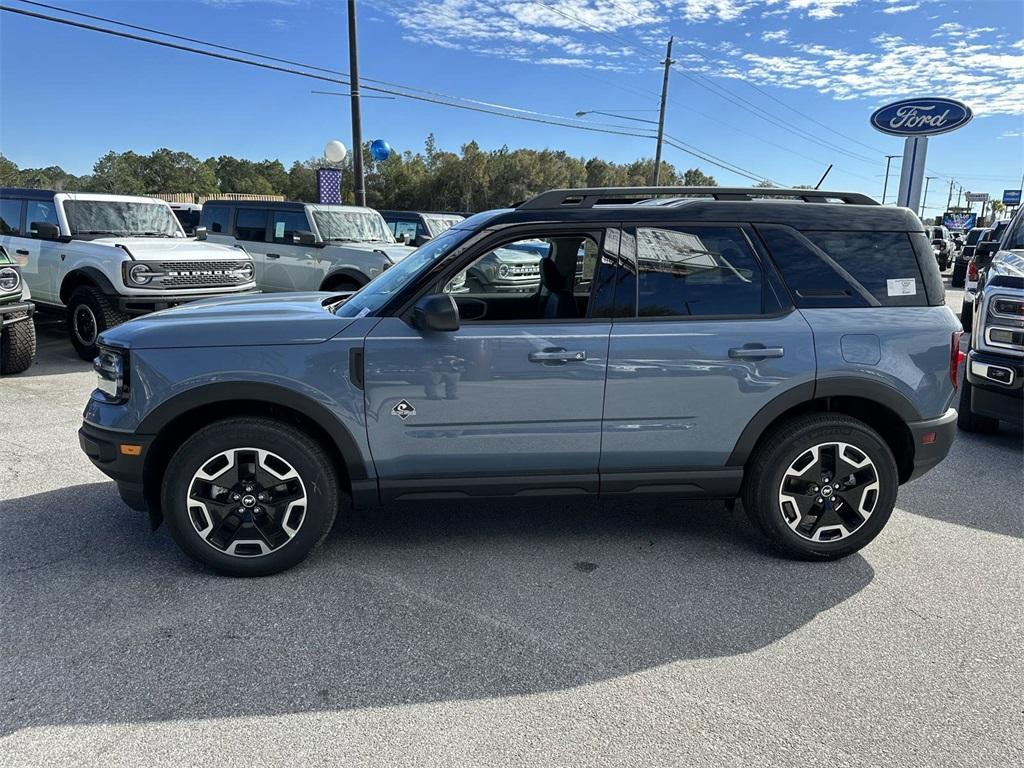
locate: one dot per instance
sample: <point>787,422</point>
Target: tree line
<point>470,180</point>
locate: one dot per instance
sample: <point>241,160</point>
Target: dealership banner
<point>959,221</point>
<point>1011,197</point>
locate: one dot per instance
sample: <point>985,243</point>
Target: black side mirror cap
<point>303,237</point>
<point>421,240</point>
<point>200,233</point>
<point>44,230</point>
<point>436,312</point>
<point>986,248</point>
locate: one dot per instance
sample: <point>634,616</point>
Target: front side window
<point>10,217</point>
<point>357,226</point>
<point>697,271</point>
<point>1015,239</point>
<point>40,212</point>
<point>216,219</point>
<point>286,225</point>
<point>112,217</point>
<point>251,225</point>
<point>404,227</point>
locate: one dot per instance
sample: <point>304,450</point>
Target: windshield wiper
<point>99,232</point>
<point>152,234</point>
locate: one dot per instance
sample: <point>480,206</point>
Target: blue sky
<point>756,81</point>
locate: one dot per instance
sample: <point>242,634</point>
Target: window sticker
<point>902,286</point>
<point>279,229</point>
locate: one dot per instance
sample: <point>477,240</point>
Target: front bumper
<point>6,310</point>
<point>932,440</point>
<point>104,449</point>
<point>989,395</point>
<point>144,304</point>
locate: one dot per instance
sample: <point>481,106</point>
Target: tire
<point>89,314</point>
<point>341,285</point>
<point>17,346</point>
<point>967,419</point>
<point>231,543</point>
<point>959,274</point>
<point>967,315</point>
<point>787,516</point>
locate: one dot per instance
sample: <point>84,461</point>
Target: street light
<point>620,117</point>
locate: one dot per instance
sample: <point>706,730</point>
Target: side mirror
<point>986,248</point>
<point>303,237</point>
<point>43,230</point>
<point>200,233</point>
<point>421,240</point>
<point>436,312</point>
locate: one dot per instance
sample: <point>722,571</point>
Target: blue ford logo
<point>921,117</point>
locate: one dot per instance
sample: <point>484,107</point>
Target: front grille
<point>205,274</point>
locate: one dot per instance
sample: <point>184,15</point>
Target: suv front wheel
<point>89,314</point>
<point>249,496</point>
<point>821,486</point>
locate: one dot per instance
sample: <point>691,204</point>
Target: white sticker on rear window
<point>279,229</point>
<point>903,286</point>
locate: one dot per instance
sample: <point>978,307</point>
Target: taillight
<point>956,358</point>
<point>972,271</point>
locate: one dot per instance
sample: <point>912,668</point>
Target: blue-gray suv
<point>791,348</point>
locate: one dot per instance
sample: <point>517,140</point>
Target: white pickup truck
<point>104,258</point>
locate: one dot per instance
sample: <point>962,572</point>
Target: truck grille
<point>206,274</point>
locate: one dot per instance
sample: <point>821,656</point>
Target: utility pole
<point>959,192</point>
<point>924,201</point>
<point>656,176</point>
<point>357,120</point>
<point>949,199</point>
<point>885,186</point>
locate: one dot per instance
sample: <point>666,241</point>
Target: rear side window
<point>251,225</point>
<point>696,271</point>
<point>216,218</point>
<point>10,217</point>
<point>884,263</point>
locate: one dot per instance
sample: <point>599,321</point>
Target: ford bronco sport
<point>17,331</point>
<point>104,258</point>
<point>790,347</point>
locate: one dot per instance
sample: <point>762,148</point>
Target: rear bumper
<point>103,447</point>
<point>990,396</point>
<point>932,440</point>
<point>6,310</point>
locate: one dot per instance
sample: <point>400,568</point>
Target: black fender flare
<point>348,273</point>
<point>91,274</point>
<point>272,394</point>
<point>830,386</point>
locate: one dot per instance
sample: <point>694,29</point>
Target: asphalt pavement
<point>647,631</point>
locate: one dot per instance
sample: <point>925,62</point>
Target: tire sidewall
<point>80,297</point>
<point>787,451</point>
<point>303,454</point>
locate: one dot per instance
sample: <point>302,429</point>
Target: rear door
<point>251,229</point>
<point>704,338</point>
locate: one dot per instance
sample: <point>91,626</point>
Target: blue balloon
<point>380,149</point>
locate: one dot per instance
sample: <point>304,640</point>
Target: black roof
<point>27,194</point>
<point>387,212</point>
<point>286,205</point>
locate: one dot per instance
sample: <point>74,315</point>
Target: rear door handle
<point>752,352</point>
<point>21,252</point>
<point>555,355</point>
<point>273,255</point>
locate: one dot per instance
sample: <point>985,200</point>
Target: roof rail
<point>590,196</point>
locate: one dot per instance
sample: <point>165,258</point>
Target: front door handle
<point>557,355</point>
<point>273,255</point>
<point>21,252</point>
<point>755,353</point>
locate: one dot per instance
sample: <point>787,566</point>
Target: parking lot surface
<point>646,631</point>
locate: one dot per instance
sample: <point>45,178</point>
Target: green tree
<point>695,177</point>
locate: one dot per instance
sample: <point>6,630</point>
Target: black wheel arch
<point>173,421</point>
<point>878,405</point>
<point>344,274</point>
<point>85,276</point>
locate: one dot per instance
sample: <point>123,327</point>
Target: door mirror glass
<point>43,230</point>
<point>436,312</point>
<point>200,233</point>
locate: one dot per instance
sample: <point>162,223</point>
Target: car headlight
<point>139,274</point>
<point>111,366</point>
<point>503,270</point>
<point>10,280</point>
<point>245,272</point>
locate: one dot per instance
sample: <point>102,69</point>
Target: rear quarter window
<point>884,263</point>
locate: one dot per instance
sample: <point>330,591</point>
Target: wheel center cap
<point>248,500</point>
<point>826,491</point>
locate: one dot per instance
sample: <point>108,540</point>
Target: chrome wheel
<point>829,492</point>
<point>246,502</point>
<point>84,325</point>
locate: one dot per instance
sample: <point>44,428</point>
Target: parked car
<point>306,246</point>
<point>418,227</point>
<point>964,255</point>
<point>994,386</point>
<point>942,244</point>
<point>188,216</point>
<point>985,249</point>
<point>101,259</point>
<point>797,353</point>
<point>17,331</point>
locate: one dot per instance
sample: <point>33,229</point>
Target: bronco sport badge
<point>403,410</point>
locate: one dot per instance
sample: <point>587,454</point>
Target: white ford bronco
<point>105,258</point>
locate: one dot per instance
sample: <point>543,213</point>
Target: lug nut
<point>235,497</point>
<point>262,497</point>
<point>819,500</point>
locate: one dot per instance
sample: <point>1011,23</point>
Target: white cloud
<point>901,8</point>
<point>1010,134</point>
<point>779,35</point>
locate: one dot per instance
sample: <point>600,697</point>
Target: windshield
<point>112,217</point>
<point>1015,241</point>
<point>973,235</point>
<point>378,291</point>
<point>438,224</point>
<point>353,226</point>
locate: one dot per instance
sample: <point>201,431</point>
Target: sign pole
<point>915,151</point>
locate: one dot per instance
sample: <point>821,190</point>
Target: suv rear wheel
<point>249,496</point>
<point>89,314</point>
<point>821,486</point>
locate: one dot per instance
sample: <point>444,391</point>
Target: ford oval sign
<point>921,117</point>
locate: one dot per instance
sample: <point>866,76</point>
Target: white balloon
<point>335,151</point>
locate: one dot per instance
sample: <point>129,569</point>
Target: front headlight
<point>10,280</point>
<point>245,272</point>
<point>111,366</point>
<point>139,274</point>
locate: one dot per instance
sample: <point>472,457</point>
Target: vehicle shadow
<point>106,622</point>
<point>54,353</point>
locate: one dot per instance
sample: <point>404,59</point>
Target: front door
<point>509,403</point>
<point>710,342</point>
<point>292,266</point>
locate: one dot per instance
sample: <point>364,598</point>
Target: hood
<point>173,248</point>
<point>1009,263</point>
<point>233,321</point>
<point>394,252</point>
<point>513,256</point>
